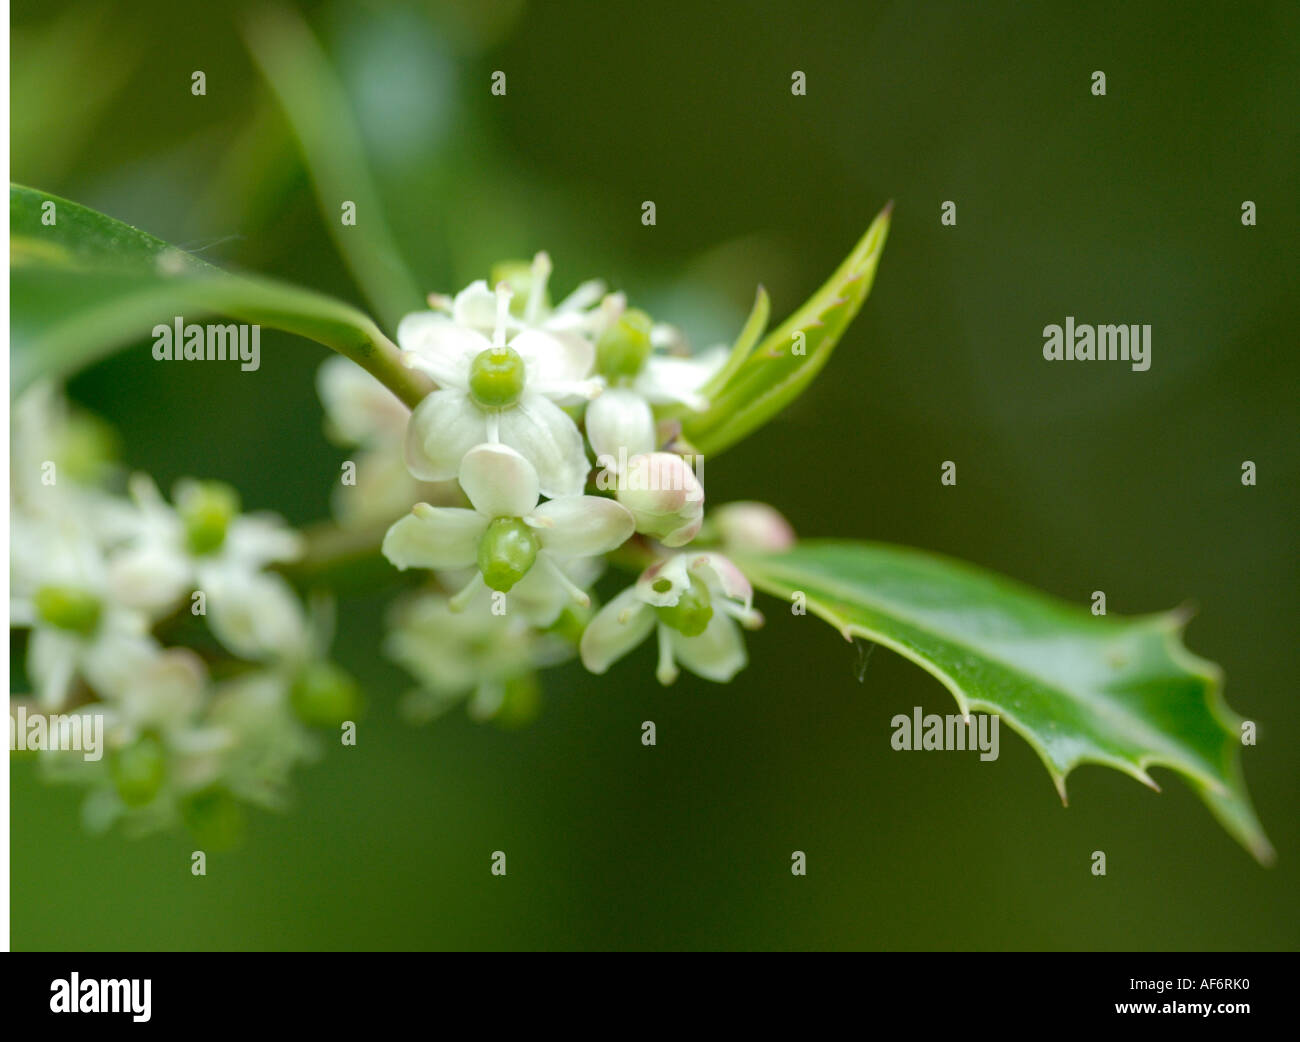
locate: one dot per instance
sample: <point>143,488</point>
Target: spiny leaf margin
<point>935,611</point>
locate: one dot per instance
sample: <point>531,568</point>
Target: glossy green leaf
<point>782,366</point>
<point>1122,692</point>
<point>87,284</point>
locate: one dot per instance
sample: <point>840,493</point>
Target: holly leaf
<point>83,285</point>
<point>783,364</point>
<point>1122,692</point>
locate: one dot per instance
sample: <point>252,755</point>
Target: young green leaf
<point>744,345</point>
<point>83,284</point>
<point>1122,692</point>
<point>780,368</point>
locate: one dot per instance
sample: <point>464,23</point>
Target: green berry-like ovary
<point>506,552</point>
<point>323,695</point>
<point>68,608</point>
<point>691,615</point>
<point>518,275</point>
<point>622,350</point>
<point>139,770</point>
<point>207,509</point>
<point>496,377</point>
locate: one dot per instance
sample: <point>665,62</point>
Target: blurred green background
<point>1071,477</point>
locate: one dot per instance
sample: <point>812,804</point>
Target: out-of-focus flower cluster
<point>163,628</point>
<point>551,444</point>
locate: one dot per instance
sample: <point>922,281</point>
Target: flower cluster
<point>560,424</point>
<point>164,629</point>
<point>550,449</point>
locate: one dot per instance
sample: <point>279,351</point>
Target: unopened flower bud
<point>748,526</point>
<point>664,496</point>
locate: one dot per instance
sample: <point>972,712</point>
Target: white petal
<point>444,427</point>
<point>721,576</point>
<point>582,526</point>
<point>256,616</point>
<point>256,540</point>
<point>499,481</point>
<point>475,306</point>
<point>662,584</point>
<point>119,656</point>
<point>543,433</point>
<point>586,295</point>
<point>668,378</point>
<point>717,654</point>
<point>52,664</point>
<point>438,346</point>
<point>539,597</point>
<point>433,537</point>
<point>616,629</point>
<point>620,426</point>
<point>168,691</point>
<point>359,408</point>
<point>152,578</point>
<point>554,359</point>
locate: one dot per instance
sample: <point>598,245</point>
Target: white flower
<point>266,738</point>
<point>458,654</point>
<point>166,696</point>
<point>362,413</point>
<point>57,455</point>
<point>206,544</point>
<point>694,601</point>
<point>59,589</point>
<point>475,307</point>
<point>256,615</point>
<point>508,533</point>
<point>653,361</point>
<point>163,707</point>
<point>507,390</point>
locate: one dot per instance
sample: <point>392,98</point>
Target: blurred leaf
<point>322,120</point>
<point>89,284</point>
<point>777,372</point>
<point>1124,693</point>
<point>72,67</point>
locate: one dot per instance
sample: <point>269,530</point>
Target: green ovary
<point>506,552</point>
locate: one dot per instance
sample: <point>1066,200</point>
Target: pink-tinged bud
<point>752,527</point>
<point>664,496</point>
